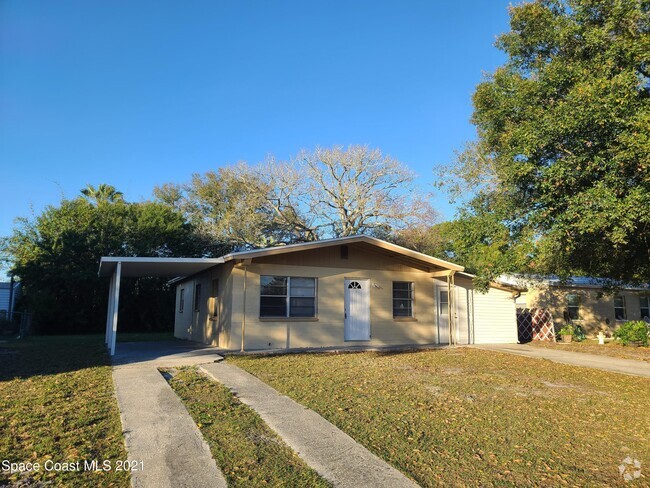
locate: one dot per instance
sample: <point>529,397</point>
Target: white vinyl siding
<point>495,320</point>
<point>463,307</point>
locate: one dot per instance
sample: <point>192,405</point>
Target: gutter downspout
<point>243,321</point>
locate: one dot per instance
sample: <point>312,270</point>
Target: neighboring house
<point>9,296</point>
<point>338,292</point>
<point>582,301</point>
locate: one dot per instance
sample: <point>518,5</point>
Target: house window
<point>573,306</point>
<point>197,297</point>
<point>644,302</point>
<point>181,301</point>
<point>443,305</point>
<point>402,299</point>
<point>287,296</point>
<point>619,307</point>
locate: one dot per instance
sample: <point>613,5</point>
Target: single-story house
<point>334,292</point>
<point>582,301</point>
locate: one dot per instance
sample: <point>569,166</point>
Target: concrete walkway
<point>606,363</point>
<point>332,453</point>
<point>158,430</point>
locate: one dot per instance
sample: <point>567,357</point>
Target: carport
<point>117,267</point>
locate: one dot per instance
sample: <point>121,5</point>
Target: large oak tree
<point>560,172</point>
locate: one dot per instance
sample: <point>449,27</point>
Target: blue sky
<point>138,93</point>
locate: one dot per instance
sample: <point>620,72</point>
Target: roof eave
<point>344,240</point>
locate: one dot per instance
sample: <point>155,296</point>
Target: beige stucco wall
<point>327,328</point>
<point>196,325</point>
<point>596,309</point>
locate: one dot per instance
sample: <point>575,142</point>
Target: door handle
<point>345,313</point>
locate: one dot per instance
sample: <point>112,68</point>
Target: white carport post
<point>109,312</point>
<point>115,302</point>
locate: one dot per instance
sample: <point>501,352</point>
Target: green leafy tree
<point>56,256</point>
<point>561,170</point>
<point>102,194</point>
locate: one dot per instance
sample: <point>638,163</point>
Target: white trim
<point>116,305</point>
<point>109,311</point>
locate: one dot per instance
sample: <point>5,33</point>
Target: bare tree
<point>361,191</point>
<point>285,200</point>
<point>324,193</point>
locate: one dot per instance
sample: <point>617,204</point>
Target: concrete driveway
<point>606,363</point>
<point>158,431</point>
<point>164,353</point>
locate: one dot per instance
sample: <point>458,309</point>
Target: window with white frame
<point>287,296</point>
<point>181,301</point>
<point>619,308</point>
<point>573,306</point>
<point>402,299</point>
<point>644,304</point>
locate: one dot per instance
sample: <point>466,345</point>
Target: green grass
<point>467,417</point>
<point>611,348</point>
<point>56,402</point>
<point>246,450</point>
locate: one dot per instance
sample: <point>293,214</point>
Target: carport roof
<point>162,267</point>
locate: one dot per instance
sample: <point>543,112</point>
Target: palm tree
<point>103,193</point>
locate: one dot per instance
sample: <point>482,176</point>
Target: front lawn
<point>612,348</point>
<point>468,417</point>
<point>57,404</point>
<point>246,450</point>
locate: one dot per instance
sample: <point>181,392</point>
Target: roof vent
<point>344,251</point>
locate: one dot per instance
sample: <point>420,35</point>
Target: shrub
<point>579,333</point>
<point>633,331</point>
<point>568,329</point>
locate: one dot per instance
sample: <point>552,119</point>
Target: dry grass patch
<point>57,403</point>
<point>613,349</point>
<point>475,417</point>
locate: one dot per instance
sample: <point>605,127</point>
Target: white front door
<point>442,302</point>
<point>357,310</point>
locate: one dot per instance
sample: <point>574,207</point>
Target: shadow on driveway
<point>164,353</point>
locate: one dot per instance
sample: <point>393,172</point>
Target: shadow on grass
<point>47,355</point>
